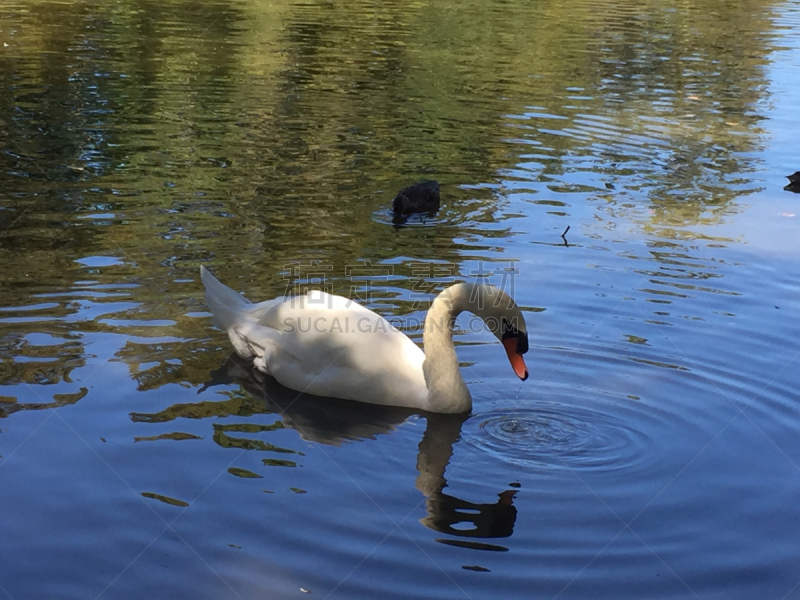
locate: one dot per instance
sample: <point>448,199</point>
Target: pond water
<point>653,453</point>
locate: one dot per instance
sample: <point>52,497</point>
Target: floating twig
<point>564,237</point>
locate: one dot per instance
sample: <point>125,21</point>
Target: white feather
<point>323,345</point>
<point>327,345</point>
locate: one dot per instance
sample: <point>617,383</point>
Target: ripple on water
<point>561,435</point>
<point>386,216</point>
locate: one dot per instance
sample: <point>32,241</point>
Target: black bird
<point>794,182</point>
<point>422,197</point>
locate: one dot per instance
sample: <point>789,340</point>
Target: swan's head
<point>515,341</point>
<point>504,319</point>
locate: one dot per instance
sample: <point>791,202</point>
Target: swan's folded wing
<point>331,346</point>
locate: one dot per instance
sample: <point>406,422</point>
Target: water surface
<point>653,451</point>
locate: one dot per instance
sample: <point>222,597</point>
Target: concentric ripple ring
<point>563,436</point>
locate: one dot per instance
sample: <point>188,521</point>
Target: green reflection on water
<point>252,135</point>
<point>244,473</point>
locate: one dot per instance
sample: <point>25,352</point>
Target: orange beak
<point>515,358</point>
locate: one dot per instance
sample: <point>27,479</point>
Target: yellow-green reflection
<point>256,134</point>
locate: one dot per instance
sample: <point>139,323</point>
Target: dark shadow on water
<point>332,421</point>
<point>323,420</point>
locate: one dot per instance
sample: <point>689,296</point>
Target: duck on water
<point>422,197</point>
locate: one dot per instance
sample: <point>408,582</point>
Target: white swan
<point>328,345</point>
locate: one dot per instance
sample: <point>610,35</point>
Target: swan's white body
<point>327,345</point>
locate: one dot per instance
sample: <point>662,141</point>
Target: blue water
<point>651,454</point>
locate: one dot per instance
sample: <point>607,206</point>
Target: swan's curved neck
<point>447,391</point>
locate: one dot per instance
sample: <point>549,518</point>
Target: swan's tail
<point>227,306</point>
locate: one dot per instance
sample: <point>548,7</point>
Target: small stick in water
<point>563,237</point>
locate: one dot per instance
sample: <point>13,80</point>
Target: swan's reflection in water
<point>333,421</point>
<point>450,514</point>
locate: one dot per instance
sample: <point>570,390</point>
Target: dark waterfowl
<point>794,182</point>
<point>422,197</point>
